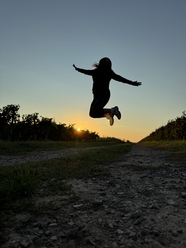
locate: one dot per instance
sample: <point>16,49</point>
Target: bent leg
<point>97,106</point>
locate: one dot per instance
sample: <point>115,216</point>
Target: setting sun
<point>78,129</point>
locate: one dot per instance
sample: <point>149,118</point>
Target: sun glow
<point>78,129</point>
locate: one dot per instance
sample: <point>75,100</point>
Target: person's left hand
<point>136,83</point>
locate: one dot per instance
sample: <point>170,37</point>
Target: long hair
<point>104,63</point>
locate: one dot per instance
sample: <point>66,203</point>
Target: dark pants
<point>98,104</point>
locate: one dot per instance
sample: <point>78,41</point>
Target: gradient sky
<point>146,41</point>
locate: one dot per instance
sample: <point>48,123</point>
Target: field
<point>98,194</point>
<point>177,148</point>
<point>21,182</point>
<point>19,148</point>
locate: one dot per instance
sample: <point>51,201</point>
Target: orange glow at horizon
<point>102,127</point>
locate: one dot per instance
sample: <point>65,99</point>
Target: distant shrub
<point>174,130</point>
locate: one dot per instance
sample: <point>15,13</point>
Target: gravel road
<point>141,204</point>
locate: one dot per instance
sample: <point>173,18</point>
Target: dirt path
<point>38,156</point>
<point>142,204</point>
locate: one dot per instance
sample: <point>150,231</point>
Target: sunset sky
<point>146,41</point>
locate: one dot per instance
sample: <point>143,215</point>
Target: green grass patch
<point>26,147</point>
<point>177,147</point>
<point>20,182</point>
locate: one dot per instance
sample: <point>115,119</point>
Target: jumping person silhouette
<point>101,79</point>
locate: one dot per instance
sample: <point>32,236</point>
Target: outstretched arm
<point>87,72</point>
<point>136,83</point>
<point>124,80</point>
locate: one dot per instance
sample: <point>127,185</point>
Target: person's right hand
<point>136,83</point>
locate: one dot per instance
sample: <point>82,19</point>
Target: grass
<point>20,183</point>
<point>26,147</point>
<point>176,147</point>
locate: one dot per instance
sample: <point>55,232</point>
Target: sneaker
<point>109,116</point>
<point>116,112</point>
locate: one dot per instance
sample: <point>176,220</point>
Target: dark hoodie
<point>102,76</point>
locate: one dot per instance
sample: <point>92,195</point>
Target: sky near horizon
<point>146,41</point>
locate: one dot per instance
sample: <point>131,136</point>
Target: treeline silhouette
<point>33,127</point>
<point>174,130</point>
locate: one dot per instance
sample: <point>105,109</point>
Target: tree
<point>34,128</point>
<point>174,130</point>
<point>10,116</point>
<point>62,132</point>
<point>47,129</point>
<point>30,121</point>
